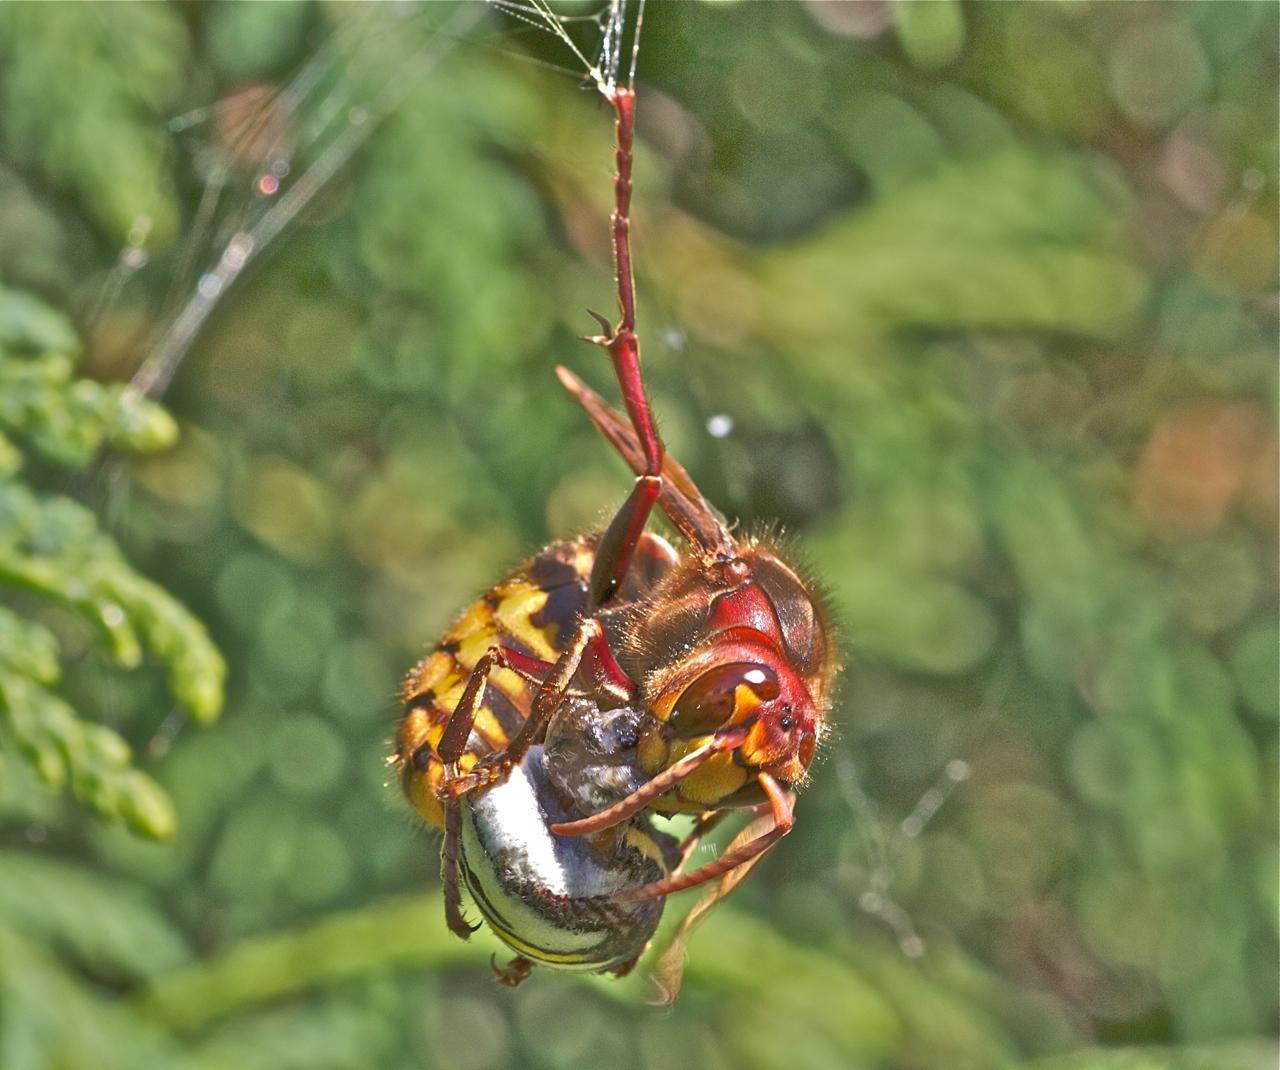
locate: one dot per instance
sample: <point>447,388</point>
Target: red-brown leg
<point>619,542</point>
<point>623,348</point>
<point>783,819</point>
<point>453,741</point>
<point>659,785</point>
<point>678,498</point>
<point>669,968</point>
<point>555,686</point>
<point>458,925</point>
<point>551,691</point>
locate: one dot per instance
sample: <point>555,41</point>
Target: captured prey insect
<point>611,678</point>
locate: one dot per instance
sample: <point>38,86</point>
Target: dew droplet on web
<point>141,228</point>
<point>912,946</point>
<point>238,252</point>
<point>719,426</point>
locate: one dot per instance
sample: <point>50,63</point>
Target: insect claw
<point>515,971</point>
<point>462,928</point>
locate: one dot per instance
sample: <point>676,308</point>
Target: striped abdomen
<point>533,612</point>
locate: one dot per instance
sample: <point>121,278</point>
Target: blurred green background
<point>978,300</point>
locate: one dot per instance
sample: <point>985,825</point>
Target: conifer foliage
<point>978,300</point>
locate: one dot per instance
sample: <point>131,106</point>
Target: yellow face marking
<point>745,703</point>
<point>663,707</point>
<point>712,781</point>
<point>513,613</point>
<point>653,750</point>
<point>755,749</point>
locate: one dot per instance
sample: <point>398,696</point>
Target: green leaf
<point>1255,661</point>
<point>53,546</point>
<point>27,324</point>
<point>932,32</point>
<point>196,669</point>
<point>1004,242</point>
<point>64,419</point>
<point>396,934</point>
<point>96,127</point>
<point>915,622</point>
<point>61,747</point>
<point>54,1019</point>
<point>28,648</point>
<point>1247,1054</point>
<point>108,926</point>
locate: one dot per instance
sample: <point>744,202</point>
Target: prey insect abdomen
<point>552,898</point>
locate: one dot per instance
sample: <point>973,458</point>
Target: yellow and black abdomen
<point>533,612</point>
